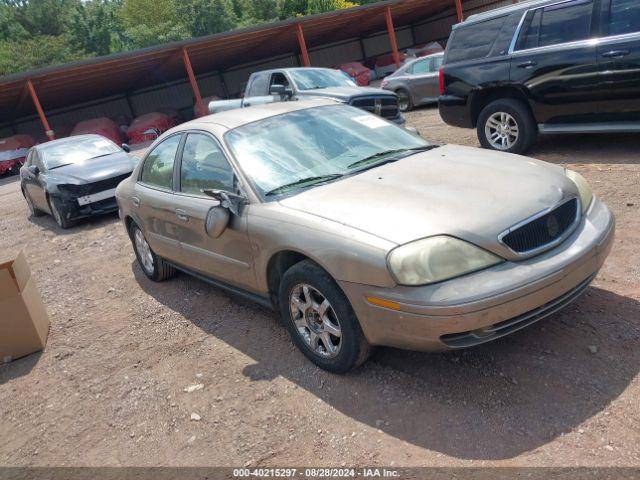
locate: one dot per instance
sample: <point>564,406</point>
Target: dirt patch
<point>109,388</point>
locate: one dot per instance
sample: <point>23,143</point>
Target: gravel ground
<point>110,387</point>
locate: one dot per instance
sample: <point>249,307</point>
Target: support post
<point>200,108</point>
<point>43,118</point>
<point>459,10</point>
<point>303,46</point>
<point>392,36</point>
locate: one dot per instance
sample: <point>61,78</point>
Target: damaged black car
<point>75,177</point>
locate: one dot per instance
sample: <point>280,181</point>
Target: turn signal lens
<point>381,302</point>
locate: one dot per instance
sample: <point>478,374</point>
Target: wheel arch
<point>483,97</point>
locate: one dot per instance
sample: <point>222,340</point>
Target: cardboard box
<point>24,323</point>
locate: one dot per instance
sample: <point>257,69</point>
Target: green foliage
<point>37,33</point>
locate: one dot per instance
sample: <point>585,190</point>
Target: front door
<point>619,61</point>
<point>228,257</point>
<point>556,62</point>
<point>34,184</point>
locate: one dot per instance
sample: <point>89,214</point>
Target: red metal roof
<point>124,72</point>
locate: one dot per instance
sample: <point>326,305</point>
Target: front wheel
<point>58,213</point>
<point>320,319</point>
<point>153,266</point>
<point>506,125</point>
<point>404,100</point>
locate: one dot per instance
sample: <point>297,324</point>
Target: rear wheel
<point>153,266</point>
<point>320,319</point>
<point>506,125</point>
<point>58,213</point>
<point>404,100</point>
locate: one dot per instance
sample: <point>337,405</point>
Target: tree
<point>151,22</point>
<point>43,17</point>
<point>96,29</point>
<point>266,10</point>
<point>28,54</point>
<point>293,8</point>
<point>320,6</point>
<point>204,17</point>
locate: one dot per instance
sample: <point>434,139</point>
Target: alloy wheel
<point>315,320</point>
<point>501,131</point>
<point>144,251</point>
<point>57,216</point>
<point>403,100</point>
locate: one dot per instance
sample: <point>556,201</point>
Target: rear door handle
<point>528,64</point>
<point>616,53</point>
<point>136,201</point>
<point>182,215</point>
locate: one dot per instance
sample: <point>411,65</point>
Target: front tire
<point>320,319</point>
<point>507,126</point>
<point>57,213</point>
<point>404,100</point>
<point>153,266</point>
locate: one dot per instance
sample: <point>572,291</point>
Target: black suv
<point>547,66</point>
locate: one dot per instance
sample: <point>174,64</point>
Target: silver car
<point>360,233</point>
<point>416,82</point>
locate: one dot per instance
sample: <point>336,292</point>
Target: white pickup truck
<point>290,84</point>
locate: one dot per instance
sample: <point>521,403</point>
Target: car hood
<point>465,192</point>
<point>346,93</point>
<point>94,170</point>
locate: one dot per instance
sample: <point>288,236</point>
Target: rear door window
<point>473,41</point>
<point>624,17</point>
<point>556,24</point>
<point>157,170</point>
<point>421,66</point>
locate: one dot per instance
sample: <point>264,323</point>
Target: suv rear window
<point>556,24</point>
<point>473,41</point>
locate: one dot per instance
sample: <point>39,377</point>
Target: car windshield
<point>73,151</point>
<point>288,152</point>
<point>313,78</point>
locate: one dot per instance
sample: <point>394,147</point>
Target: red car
<point>360,74</point>
<point>149,126</point>
<point>13,151</point>
<point>101,126</point>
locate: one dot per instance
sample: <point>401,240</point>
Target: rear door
<point>423,80</point>
<point>619,60</point>
<point>555,61</point>
<point>228,257</point>
<point>153,198</point>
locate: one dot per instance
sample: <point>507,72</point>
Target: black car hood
<point>346,93</point>
<point>94,170</point>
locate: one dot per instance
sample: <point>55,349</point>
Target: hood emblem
<point>377,109</point>
<point>553,226</point>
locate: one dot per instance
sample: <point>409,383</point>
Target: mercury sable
<point>359,232</point>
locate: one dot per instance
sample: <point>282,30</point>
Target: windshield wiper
<point>386,153</point>
<point>304,182</point>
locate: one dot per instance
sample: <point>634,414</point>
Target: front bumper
<point>489,304</point>
<point>71,210</point>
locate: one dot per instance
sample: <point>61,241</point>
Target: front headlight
<point>584,190</point>
<point>437,258</point>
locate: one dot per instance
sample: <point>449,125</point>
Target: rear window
<point>474,41</point>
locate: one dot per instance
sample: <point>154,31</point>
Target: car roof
<point>498,12</point>
<point>290,69</point>
<point>241,116</point>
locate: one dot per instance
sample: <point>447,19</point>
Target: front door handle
<point>616,53</point>
<point>182,215</point>
<point>528,64</point>
<point>136,201</point>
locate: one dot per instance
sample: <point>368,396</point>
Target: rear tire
<point>506,125</point>
<point>404,100</point>
<point>153,266</point>
<point>320,319</point>
<point>62,221</point>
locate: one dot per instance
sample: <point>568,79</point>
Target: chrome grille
<point>386,107</point>
<point>544,230</point>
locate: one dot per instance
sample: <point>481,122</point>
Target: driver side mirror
<point>126,148</point>
<point>280,90</point>
<point>34,170</point>
<point>217,221</point>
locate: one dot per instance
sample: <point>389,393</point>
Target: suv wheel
<point>153,266</point>
<point>320,319</point>
<point>506,125</point>
<point>404,100</point>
